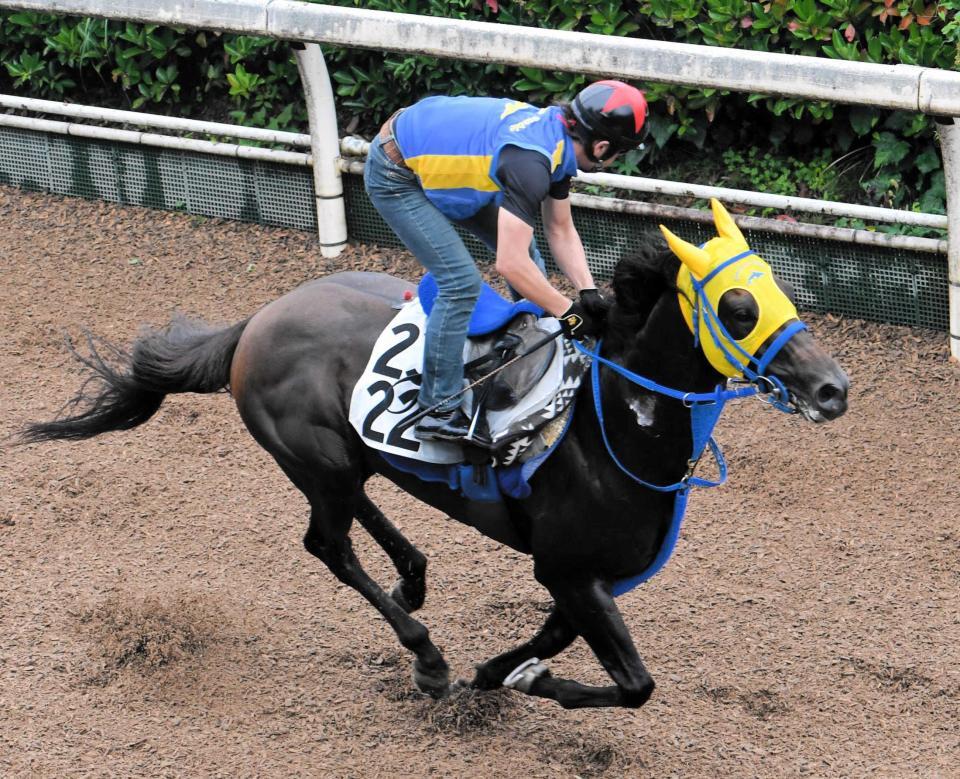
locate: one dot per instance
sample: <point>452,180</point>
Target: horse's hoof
<point>436,684</point>
<point>483,680</point>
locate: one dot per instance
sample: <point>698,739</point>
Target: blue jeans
<point>430,236</point>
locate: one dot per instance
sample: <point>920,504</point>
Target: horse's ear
<point>695,258</point>
<point>726,227</point>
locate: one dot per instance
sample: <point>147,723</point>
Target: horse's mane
<point>638,282</point>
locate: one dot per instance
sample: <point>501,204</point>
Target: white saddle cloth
<point>386,394</point>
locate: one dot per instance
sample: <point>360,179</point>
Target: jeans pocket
<point>398,174</point>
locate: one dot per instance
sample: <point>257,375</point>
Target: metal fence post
<point>325,149</point>
<point>949,131</point>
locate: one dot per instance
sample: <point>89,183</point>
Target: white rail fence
<point>353,146</point>
<point>902,87</point>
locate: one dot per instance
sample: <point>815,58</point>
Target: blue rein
<point>705,409</point>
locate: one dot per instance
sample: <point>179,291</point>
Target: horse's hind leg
<point>327,539</point>
<point>555,636</point>
<point>409,561</point>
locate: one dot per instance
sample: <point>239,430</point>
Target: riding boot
<point>452,426</point>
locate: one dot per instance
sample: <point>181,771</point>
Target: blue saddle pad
<point>491,312</point>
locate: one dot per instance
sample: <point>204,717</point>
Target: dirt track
<point>161,618</point>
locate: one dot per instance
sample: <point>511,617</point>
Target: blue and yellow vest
<point>452,144</point>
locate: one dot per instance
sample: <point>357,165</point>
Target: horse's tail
<point>187,356</point>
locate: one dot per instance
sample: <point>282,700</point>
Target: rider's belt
<point>389,144</point>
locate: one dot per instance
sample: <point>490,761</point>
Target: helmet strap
<point>582,135</point>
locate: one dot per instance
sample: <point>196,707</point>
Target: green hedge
<point>890,157</point>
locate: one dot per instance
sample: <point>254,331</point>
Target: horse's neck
<point>663,351</point>
<point>649,431</point>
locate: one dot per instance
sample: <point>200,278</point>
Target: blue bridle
<point>705,407</point>
<point>742,360</point>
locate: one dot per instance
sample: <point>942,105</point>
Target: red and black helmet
<point>610,111</point>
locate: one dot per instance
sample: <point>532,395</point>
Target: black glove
<point>576,323</point>
<point>595,304</point>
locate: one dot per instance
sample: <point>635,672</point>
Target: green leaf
<point>24,19</point>
<point>524,85</point>
<point>889,150</point>
<point>661,129</point>
<point>934,199</point>
<point>928,160</point>
<point>862,119</point>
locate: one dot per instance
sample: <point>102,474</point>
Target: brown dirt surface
<point>160,616</point>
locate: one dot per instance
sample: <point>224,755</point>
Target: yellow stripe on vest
<point>453,171</point>
<point>513,106</point>
<point>557,156</point>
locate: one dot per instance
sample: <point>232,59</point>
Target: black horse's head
<point>741,318</point>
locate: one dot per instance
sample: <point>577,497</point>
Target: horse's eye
<point>739,312</point>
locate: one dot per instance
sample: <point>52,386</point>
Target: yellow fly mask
<point>720,265</point>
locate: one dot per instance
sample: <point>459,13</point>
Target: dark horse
<point>291,369</point>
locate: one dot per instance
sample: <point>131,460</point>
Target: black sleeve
<point>524,176</point>
<point>560,190</point>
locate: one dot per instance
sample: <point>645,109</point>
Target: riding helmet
<point>610,111</point>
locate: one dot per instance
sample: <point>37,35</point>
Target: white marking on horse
<point>643,410</point>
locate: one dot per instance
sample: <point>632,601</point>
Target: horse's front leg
<point>555,636</point>
<point>590,610</point>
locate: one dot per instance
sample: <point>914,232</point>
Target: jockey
<point>490,165</point>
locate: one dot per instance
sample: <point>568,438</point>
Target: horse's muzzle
<point>831,397</point>
<point>818,386</point>
<point>823,399</point>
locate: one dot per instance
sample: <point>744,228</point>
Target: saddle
<point>498,332</point>
<point>486,354</point>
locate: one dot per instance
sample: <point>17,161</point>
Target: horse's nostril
<point>830,396</point>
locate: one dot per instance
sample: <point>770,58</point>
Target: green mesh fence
<point>879,284</point>
<point>248,190</point>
